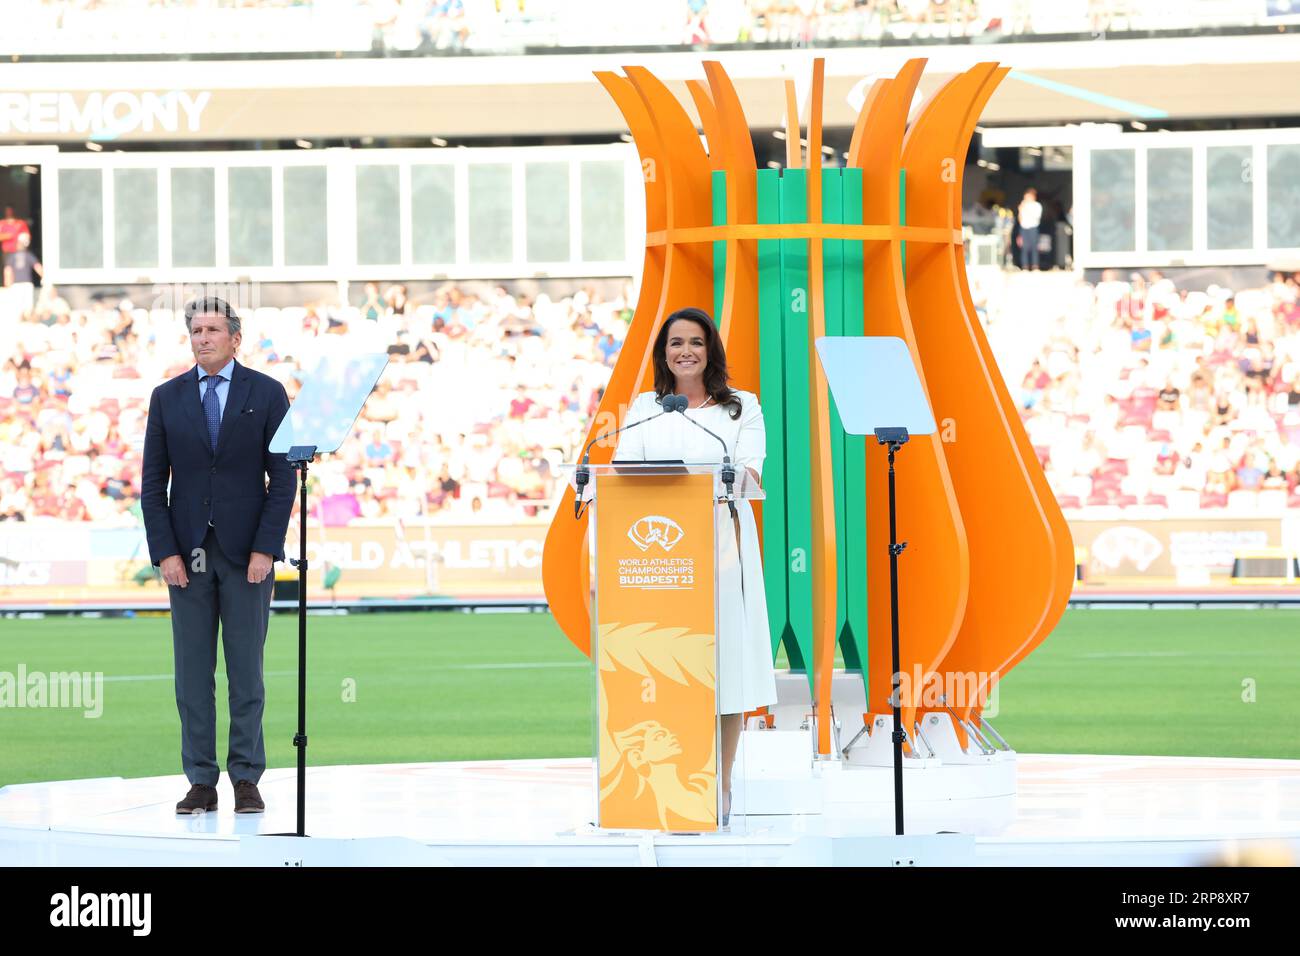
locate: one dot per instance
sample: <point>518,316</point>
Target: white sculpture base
<point>946,788</point>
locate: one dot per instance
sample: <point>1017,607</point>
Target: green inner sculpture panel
<point>785,368</point>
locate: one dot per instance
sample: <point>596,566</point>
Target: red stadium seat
<point>1125,501</point>
<point>1069,501</point>
<point>1217,500</point>
<point>1158,501</point>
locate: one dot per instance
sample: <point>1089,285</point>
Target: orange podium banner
<point>655,648</point>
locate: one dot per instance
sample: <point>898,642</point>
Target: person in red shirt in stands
<point>74,509</point>
<point>10,229</point>
<point>1035,381</point>
<point>113,444</point>
<point>521,404</point>
<point>45,500</point>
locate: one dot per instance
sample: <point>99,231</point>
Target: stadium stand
<point>1147,396</point>
<point>74,395</point>
<point>1137,395</point>
<point>381,27</point>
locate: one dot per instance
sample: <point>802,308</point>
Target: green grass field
<point>448,686</point>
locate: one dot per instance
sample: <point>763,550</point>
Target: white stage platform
<point>1069,810</point>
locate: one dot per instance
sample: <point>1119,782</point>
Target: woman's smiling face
<point>686,350</point>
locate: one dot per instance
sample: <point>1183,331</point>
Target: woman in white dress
<point>689,360</point>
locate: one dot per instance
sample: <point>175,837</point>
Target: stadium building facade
<point>1154,152</point>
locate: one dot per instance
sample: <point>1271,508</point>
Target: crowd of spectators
<point>485,395</point>
<point>1148,395</point>
<point>1143,395</point>
<point>805,22</point>
<point>438,26</point>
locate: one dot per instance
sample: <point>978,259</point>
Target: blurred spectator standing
<point>21,269</point>
<point>11,228</point>
<point>1029,216</point>
<point>373,307</point>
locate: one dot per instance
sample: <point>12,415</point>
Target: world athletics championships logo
<point>656,529</point>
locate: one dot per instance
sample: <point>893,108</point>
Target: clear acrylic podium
<point>666,556</point>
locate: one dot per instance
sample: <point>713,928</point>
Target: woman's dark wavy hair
<point>715,374</point>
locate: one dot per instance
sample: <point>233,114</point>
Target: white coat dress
<point>746,679</point>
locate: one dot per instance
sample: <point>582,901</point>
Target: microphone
<point>679,403</point>
<point>581,476</point>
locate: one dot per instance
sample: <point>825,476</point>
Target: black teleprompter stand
<point>888,401</point>
<point>895,438</point>
<point>298,458</point>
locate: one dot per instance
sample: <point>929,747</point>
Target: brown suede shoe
<point>247,799</point>
<point>200,799</point>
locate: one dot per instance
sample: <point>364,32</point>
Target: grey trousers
<point>220,593</point>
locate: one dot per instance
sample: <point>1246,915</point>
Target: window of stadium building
<point>81,201</point>
<point>1114,200</point>
<point>379,232</point>
<point>546,197</point>
<point>194,217</point>
<point>603,228</point>
<point>249,209</point>
<point>1229,197</point>
<point>135,218</point>
<point>1284,196</point>
<point>1169,199</point>
<point>306,220</point>
<point>433,214</point>
<point>491,213</point>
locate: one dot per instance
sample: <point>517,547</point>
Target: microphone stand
<point>582,476</point>
<point>678,403</point>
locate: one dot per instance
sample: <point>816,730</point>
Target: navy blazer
<point>249,512</point>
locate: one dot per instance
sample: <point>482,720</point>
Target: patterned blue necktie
<point>212,409</point>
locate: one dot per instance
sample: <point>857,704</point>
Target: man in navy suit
<point>215,533</point>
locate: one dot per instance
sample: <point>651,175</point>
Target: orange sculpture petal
<point>565,571</point>
<point>934,571</point>
<point>1010,539</point>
